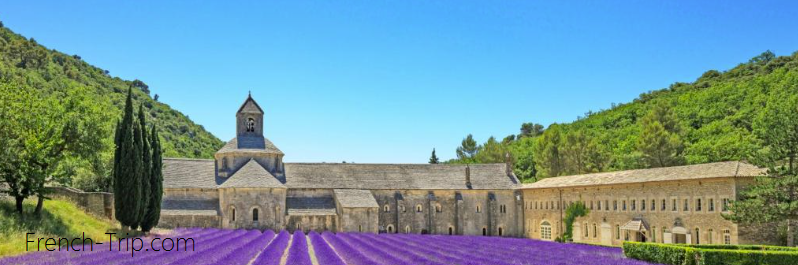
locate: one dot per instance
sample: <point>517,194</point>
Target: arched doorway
<point>424,231</point>
<point>390,229</point>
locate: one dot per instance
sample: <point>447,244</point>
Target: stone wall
<point>548,205</point>
<point>466,212</point>
<point>175,221</point>
<point>96,203</point>
<point>270,204</point>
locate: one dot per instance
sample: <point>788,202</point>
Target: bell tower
<point>249,119</point>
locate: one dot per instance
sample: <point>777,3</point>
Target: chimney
<point>508,164</point>
<point>468,176</point>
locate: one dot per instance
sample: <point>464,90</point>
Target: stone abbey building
<point>247,185</point>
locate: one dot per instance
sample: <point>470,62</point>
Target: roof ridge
<point>187,159</point>
<point>408,164</point>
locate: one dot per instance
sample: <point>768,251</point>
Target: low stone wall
<point>188,220</point>
<point>95,203</point>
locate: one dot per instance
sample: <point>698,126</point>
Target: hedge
<point>710,254</point>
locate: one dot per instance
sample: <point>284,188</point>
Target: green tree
<point>549,160</point>
<point>434,158</point>
<point>576,209</point>
<point>774,198</point>
<point>468,149</point>
<point>659,141</point>
<point>529,129</point>
<point>491,151</point>
<point>41,133</point>
<point>127,184</point>
<point>524,164</point>
<point>156,185</point>
<point>145,168</point>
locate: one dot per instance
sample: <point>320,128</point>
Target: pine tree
<point>145,168</point>
<point>433,159</point>
<point>127,187</point>
<point>156,185</point>
<point>659,141</point>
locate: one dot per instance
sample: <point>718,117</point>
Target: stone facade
<point>247,185</point>
<point>678,211</point>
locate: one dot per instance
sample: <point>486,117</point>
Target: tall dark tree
<point>156,184</point>
<point>434,158</point>
<point>145,168</point>
<point>529,129</point>
<point>127,185</point>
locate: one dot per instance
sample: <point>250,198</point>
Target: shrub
<point>710,254</point>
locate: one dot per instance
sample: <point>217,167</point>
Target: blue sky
<point>387,81</point>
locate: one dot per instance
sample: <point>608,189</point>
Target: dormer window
<point>250,125</point>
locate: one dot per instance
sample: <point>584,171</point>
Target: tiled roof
<point>396,176</point>
<point>307,212</point>
<point>200,173</point>
<point>250,144</point>
<point>189,207</point>
<point>252,175</point>
<point>699,171</point>
<point>250,106</point>
<point>189,173</point>
<point>355,198</point>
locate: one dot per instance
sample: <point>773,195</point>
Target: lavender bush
<point>243,247</point>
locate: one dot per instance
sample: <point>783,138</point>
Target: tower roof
<point>250,106</point>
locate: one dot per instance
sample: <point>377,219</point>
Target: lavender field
<point>220,246</point>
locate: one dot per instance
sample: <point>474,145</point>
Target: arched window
<point>419,208</point>
<point>479,209</point>
<point>407,229</point>
<point>617,232</point>
<point>451,230</point>
<point>255,215</point>
<point>709,236</point>
<point>438,208</point>
<point>484,231</point>
<point>386,209</point>
<point>595,231</point>
<point>586,231</point>
<point>232,213</point>
<point>250,125</point>
<point>360,228</point>
<point>390,229</point>
<point>545,230</point>
<point>697,236</point>
<point>654,234</point>
<point>501,231</point>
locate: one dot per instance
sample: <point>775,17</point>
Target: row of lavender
<point>217,246</point>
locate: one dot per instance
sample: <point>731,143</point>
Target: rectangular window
<point>606,205</point>
<point>586,231</point>
<point>686,205</point>
<point>698,205</point>
<point>591,205</point>
<point>617,232</point>
<point>653,205</point>
<point>614,205</point>
<point>599,205</point>
<point>643,205</point>
<point>727,237</point>
<point>545,232</point>
<point>634,205</point>
<point>673,205</point>
<point>624,205</point>
<point>711,205</point>
<point>663,205</point>
<point>725,205</point>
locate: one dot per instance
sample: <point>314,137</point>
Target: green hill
<point>27,64</point>
<point>715,116</point>
<point>58,219</point>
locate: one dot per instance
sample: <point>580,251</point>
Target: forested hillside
<point>720,116</point>
<point>26,65</point>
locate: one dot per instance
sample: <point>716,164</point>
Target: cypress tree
<point>145,166</point>
<point>135,184</point>
<point>156,184</point>
<point>127,187</point>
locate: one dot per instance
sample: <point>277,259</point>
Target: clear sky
<point>387,81</point>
